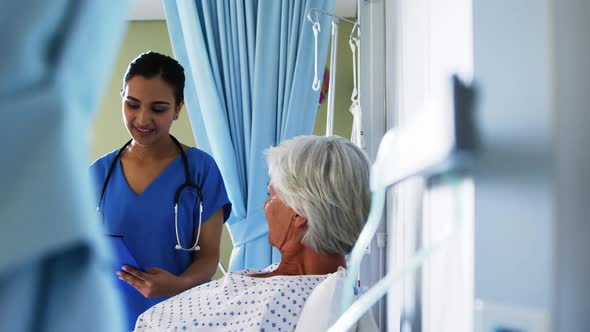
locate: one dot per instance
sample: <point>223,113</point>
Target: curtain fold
<point>249,67</point>
<point>56,59</point>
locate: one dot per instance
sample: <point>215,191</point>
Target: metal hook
<point>354,42</point>
<point>355,28</point>
<point>317,18</point>
<point>316,82</point>
<point>354,96</point>
<point>316,29</point>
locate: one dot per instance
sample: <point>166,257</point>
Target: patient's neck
<point>299,259</point>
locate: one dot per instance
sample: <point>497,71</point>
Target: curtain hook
<point>309,18</point>
<point>354,96</point>
<point>317,18</point>
<point>316,82</point>
<point>355,28</point>
<point>354,47</point>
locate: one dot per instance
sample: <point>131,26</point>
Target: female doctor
<point>164,200</point>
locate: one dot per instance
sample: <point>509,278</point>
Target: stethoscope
<point>187,184</point>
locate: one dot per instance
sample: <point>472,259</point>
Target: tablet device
<point>122,256</point>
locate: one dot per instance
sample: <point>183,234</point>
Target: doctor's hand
<point>153,282</point>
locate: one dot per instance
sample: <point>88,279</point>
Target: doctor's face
<point>149,108</point>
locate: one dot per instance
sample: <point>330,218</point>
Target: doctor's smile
<point>144,132</point>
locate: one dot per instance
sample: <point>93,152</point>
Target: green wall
<point>109,133</point>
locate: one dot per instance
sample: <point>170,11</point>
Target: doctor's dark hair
<point>152,64</point>
<point>325,180</point>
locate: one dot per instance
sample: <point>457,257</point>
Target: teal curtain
<point>56,57</point>
<point>249,70</point>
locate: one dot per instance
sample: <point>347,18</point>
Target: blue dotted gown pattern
<point>145,221</point>
<point>235,303</point>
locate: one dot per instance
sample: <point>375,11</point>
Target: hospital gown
<point>236,302</point>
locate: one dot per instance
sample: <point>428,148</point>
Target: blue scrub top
<point>146,221</point>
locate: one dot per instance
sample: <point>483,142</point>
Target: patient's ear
<point>300,221</point>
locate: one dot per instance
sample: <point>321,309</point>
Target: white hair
<point>325,180</point>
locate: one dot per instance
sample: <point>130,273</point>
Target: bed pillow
<point>321,309</point>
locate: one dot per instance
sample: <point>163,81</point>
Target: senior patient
<point>318,201</point>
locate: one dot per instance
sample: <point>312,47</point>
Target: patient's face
<point>279,217</point>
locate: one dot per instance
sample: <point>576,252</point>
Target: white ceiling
<point>154,10</point>
<point>146,10</point>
